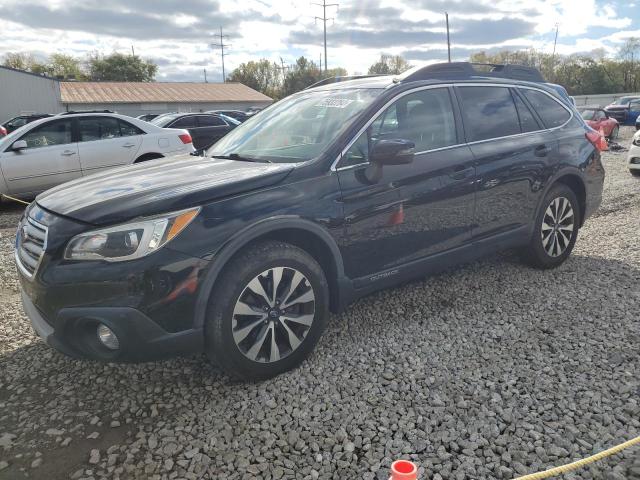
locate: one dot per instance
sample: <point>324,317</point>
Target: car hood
<point>616,107</point>
<point>157,186</point>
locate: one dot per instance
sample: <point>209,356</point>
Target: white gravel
<point>488,371</point>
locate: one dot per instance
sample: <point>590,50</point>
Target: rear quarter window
<point>549,110</point>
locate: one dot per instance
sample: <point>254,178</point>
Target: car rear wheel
<point>635,173</point>
<point>267,312</point>
<point>614,133</point>
<point>556,229</point>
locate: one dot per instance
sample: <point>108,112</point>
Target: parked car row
<point>599,119</point>
<point>625,110</point>
<point>55,149</point>
<point>205,128</point>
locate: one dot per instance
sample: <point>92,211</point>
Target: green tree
<point>301,75</point>
<point>66,67</point>
<point>389,65</point>
<point>263,76</point>
<point>121,68</point>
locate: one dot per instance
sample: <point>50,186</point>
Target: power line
<point>324,19</point>
<point>222,45</point>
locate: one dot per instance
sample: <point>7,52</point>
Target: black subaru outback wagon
<point>329,194</point>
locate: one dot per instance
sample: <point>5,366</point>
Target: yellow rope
<point>14,199</point>
<point>580,463</point>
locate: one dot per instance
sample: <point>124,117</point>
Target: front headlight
<point>131,240</point>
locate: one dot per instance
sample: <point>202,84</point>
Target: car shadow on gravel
<point>555,349</point>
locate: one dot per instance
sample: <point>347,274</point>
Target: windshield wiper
<point>235,156</point>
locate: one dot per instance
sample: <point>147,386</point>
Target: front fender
<point>257,230</point>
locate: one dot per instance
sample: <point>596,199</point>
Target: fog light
<point>107,337</point>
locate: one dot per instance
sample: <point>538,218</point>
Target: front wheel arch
<point>307,235</point>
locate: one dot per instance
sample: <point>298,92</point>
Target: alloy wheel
<point>273,314</point>
<point>558,224</point>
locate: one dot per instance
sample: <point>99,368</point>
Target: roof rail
<point>71,112</point>
<point>330,80</point>
<point>468,70</point>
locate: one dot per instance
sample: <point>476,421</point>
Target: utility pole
<point>222,54</point>
<point>324,19</point>
<point>553,55</point>
<point>283,68</point>
<point>205,75</point>
<point>133,52</point>
<point>446,16</point>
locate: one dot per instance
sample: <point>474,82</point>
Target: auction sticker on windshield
<point>334,102</point>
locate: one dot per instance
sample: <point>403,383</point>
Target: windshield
<point>163,120</point>
<point>296,129</point>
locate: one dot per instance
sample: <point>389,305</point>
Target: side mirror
<point>392,152</point>
<point>19,145</point>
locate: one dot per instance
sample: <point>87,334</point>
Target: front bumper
<point>73,332</point>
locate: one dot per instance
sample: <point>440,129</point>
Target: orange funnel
<point>403,470</point>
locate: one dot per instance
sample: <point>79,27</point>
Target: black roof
<point>459,71</point>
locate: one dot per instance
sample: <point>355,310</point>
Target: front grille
<point>31,242</point>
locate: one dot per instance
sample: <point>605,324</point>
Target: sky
<point>177,34</point>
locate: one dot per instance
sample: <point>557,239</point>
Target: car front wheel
<point>556,229</point>
<point>267,312</point>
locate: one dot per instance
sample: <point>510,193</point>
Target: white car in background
<point>54,150</point>
<point>634,155</point>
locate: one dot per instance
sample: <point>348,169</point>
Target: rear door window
<point>98,128</point>
<point>488,112</point>
<point>128,130</point>
<point>528,122</point>
<point>549,110</point>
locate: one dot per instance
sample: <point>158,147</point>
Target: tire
<point>554,247</point>
<point>614,133</point>
<point>241,325</point>
<point>635,173</point>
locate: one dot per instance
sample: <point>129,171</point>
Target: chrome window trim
<point>334,165</point>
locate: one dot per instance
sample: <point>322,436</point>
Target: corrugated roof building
<point>136,98</point>
<point>23,92</point>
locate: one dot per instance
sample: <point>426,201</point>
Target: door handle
<point>541,151</point>
<point>68,153</point>
<point>460,172</point>
<point>128,145</point>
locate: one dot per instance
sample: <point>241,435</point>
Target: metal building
<point>136,98</point>
<point>23,92</point>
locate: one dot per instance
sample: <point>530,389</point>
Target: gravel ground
<point>490,370</point>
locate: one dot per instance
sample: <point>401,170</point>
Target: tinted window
<point>128,130</point>
<point>57,132</point>
<point>552,113</point>
<point>98,128</point>
<point>17,122</point>
<point>528,122</point>
<point>425,117</point>
<point>184,122</point>
<point>210,121</point>
<point>488,112</point>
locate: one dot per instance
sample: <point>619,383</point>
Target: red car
<point>598,119</point>
<point>3,131</point>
